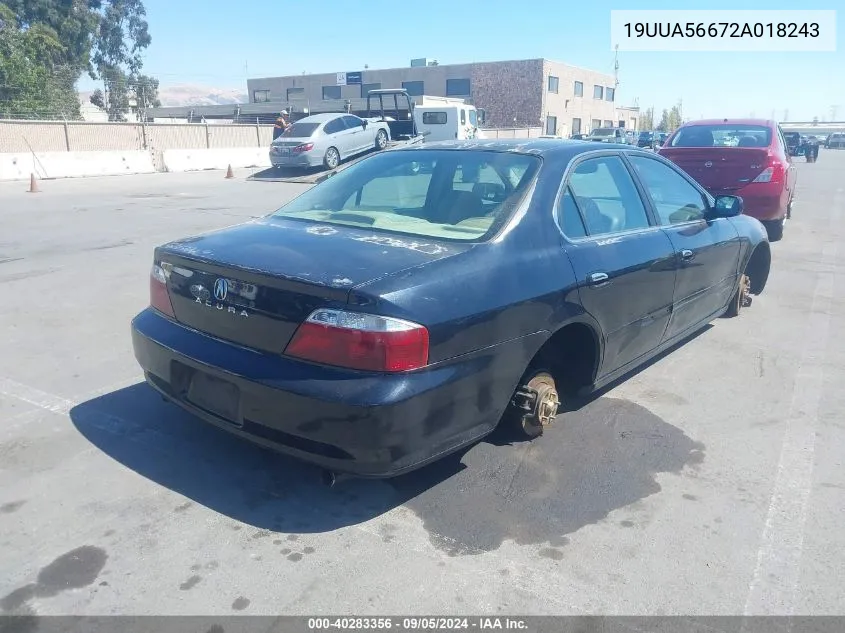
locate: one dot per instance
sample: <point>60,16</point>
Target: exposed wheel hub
<point>745,291</point>
<point>547,405</point>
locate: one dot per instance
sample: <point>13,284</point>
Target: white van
<point>448,122</point>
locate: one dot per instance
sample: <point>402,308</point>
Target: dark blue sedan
<point>409,304</point>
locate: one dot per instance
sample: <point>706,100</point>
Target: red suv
<point>739,157</point>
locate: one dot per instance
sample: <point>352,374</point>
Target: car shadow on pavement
<point>603,455</point>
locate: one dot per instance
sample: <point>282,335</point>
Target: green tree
<point>647,119</point>
<point>105,38</point>
<point>663,126</point>
<point>35,79</point>
<point>674,119</point>
<point>145,92</point>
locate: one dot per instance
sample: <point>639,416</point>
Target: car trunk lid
<point>720,169</point>
<point>253,284</point>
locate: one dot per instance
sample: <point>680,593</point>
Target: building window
<point>598,92</point>
<point>596,124</point>
<point>435,118</point>
<point>553,84</point>
<point>456,88</point>
<point>414,88</point>
<point>576,126</point>
<point>296,93</point>
<point>608,124</point>
<point>365,89</point>
<point>579,89</point>
<point>331,92</point>
<point>621,123</point>
<point>551,125</point>
<point>610,94</point>
<point>260,96</point>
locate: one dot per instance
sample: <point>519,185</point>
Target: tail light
<point>159,299</point>
<point>305,147</point>
<point>360,341</point>
<point>772,173</point>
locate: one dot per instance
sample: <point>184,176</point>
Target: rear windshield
<point>604,132</point>
<point>723,136</point>
<point>645,135</point>
<point>461,195</point>
<point>301,130</point>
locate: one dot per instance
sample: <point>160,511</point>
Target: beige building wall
<point>513,93</point>
<point>571,109</point>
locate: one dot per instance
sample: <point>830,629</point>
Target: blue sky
<point>219,44</point>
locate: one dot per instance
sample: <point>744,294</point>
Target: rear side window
<point>301,130</point>
<point>607,197</point>
<point>570,216</point>
<point>435,118</point>
<point>723,135</point>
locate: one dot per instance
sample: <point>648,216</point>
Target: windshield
<point>301,130</point>
<point>604,132</point>
<point>464,195</point>
<point>723,136</point>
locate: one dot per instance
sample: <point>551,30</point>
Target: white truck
<point>445,119</point>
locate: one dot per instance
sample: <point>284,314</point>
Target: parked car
<point>646,138</point>
<point>741,157</point>
<point>579,137</point>
<point>660,139</point>
<point>835,141</point>
<point>327,139</point>
<point>608,135</point>
<point>382,320</point>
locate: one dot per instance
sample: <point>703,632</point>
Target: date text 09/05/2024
<point>416,624</point>
<point>722,29</point>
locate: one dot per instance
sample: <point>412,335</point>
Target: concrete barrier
<point>74,164</point>
<point>198,159</point>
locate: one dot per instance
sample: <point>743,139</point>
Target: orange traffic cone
<point>33,184</point>
<point>229,173</point>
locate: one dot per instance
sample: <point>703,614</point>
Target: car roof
<point>551,147</point>
<point>322,117</point>
<point>764,122</point>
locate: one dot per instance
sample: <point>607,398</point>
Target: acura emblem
<point>221,289</point>
<point>709,163</point>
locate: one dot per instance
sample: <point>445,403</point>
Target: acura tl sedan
<point>327,139</point>
<point>391,315</point>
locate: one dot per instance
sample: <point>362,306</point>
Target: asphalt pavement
<point>709,483</point>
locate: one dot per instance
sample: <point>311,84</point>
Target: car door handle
<point>687,255</point>
<point>597,278</point>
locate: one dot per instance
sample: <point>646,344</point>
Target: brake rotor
<point>745,291</point>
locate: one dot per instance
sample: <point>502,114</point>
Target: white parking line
<point>773,588</point>
<point>36,397</point>
<point>45,401</point>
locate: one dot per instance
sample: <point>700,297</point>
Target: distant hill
<point>192,94</point>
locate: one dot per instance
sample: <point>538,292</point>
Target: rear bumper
<point>295,160</point>
<point>763,201</point>
<point>350,422</point>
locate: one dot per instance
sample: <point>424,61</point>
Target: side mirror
<point>726,207</point>
<point>364,123</point>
